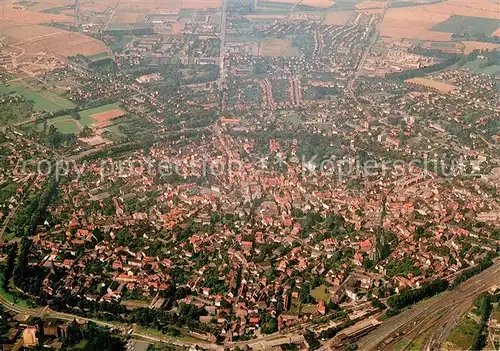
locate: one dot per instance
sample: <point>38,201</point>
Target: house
<point>29,337</point>
<point>321,307</point>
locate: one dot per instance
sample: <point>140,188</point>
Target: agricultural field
<point>432,84</point>
<point>18,18</point>
<point>371,4</point>
<point>33,39</point>
<point>65,44</point>
<point>473,45</point>
<point>321,4</point>
<point>418,22</point>
<point>480,67</point>
<point>467,25</point>
<point>278,47</point>
<point>338,18</point>
<point>132,11</point>
<point>42,100</point>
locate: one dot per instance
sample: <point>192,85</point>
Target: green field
<point>320,293</point>
<point>43,100</point>
<point>467,25</point>
<point>478,68</point>
<point>99,56</point>
<point>65,125</point>
<point>278,47</point>
<point>345,5</point>
<point>9,297</point>
<point>120,45</point>
<point>463,334</point>
<point>68,125</point>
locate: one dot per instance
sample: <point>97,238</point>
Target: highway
<point>431,321</point>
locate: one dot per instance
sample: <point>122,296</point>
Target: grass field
<point>99,56</point>
<point>462,336</point>
<point>478,45</point>
<point>465,24</point>
<point>476,67</point>
<point>65,124</point>
<point>320,293</point>
<point>278,47</point>
<point>42,100</point>
<point>9,297</point>
<point>68,125</point>
<point>120,45</point>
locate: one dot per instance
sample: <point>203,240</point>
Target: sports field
<point>86,115</point>
<point>95,117</point>
<point>65,124</point>
<point>42,100</point>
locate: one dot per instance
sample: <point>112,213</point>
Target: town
<point>246,175</point>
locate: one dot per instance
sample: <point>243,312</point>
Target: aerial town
<point>249,175</point>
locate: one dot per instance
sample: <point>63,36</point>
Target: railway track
<point>432,319</point>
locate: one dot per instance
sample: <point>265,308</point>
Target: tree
<point>9,267</point>
<point>270,327</point>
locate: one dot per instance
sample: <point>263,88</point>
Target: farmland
<point>149,6</point>
<point>33,39</point>
<point>419,22</point>
<point>65,44</point>
<point>478,67</point>
<point>467,25</point>
<point>338,18</point>
<point>312,3</point>
<point>371,4</point>
<point>473,45</point>
<point>15,18</point>
<point>439,86</point>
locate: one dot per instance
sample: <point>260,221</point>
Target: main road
<point>46,312</point>
<point>430,322</point>
<point>222,47</point>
